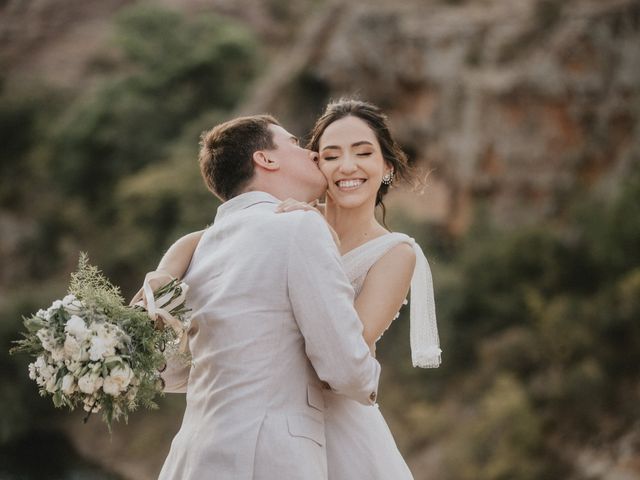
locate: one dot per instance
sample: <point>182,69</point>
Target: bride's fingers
<point>291,205</point>
<point>282,205</point>
<point>155,284</point>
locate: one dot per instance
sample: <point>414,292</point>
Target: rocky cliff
<point>516,105</point>
<point>519,105</point>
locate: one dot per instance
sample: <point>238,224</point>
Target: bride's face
<point>352,162</point>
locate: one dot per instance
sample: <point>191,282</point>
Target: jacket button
<point>372,397</point>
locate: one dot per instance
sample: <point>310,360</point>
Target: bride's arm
<point>177,259</point>
<point>384,290</point>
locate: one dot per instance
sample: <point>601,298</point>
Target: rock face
<point>515,105</point>
<point>519,105</point>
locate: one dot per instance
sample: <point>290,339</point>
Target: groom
<point>272,318</point>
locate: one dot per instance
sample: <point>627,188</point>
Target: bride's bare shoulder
<point>401,259</point>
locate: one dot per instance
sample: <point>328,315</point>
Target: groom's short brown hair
<point>226,153</point>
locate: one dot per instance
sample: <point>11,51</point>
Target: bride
<point>361,160</point>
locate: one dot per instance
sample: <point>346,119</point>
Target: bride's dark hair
<point>377,121</point>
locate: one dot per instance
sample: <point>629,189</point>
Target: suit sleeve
<point>322,301</point>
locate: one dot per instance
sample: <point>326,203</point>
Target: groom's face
<point>298,165</point>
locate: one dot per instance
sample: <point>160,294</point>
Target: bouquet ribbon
<point>159,309</point>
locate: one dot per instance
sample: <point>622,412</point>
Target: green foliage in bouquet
<point>93,350</point>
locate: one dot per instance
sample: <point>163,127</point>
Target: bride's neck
<point>354,226</point>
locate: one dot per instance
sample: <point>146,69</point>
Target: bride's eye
<point>364,154</point>
<point>329,158</point>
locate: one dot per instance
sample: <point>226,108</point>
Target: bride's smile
<point>350,184</point>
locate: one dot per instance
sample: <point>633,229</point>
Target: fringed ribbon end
<point>429,357</point>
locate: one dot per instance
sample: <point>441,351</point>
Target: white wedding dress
<point>359,442</point>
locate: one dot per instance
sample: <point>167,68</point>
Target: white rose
<point>33,373</point>
<point>40,362</point>
<point>68,299</point>
<point>38,366</point>
<point>43,314</point>
<point>57,354</point>
<point>75,307</point>
<point>72,365</point>
<point>111,387</point>
<point>50,385</point>
<point>118,380</point>
<point>68,384</point>
<point>71,347</point>
<point>75,326</point>
<point>72,304</point>
<point>101,347</point>
<point>46,338</point>
<point>47,372</point>
<point>90,383</point>
<point>55,306</point>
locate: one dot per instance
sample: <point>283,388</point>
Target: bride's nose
<point>348,165</point>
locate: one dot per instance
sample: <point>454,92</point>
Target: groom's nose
<point>313,156</point>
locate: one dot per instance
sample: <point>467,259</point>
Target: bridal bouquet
<point>92,350</point>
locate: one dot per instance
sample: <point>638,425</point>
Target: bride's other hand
<point>154,283</point>
<point>291,204</point>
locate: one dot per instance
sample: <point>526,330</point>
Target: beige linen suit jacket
<point>272,316</point>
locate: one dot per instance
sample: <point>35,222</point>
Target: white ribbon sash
<point>425,343</point>
<point>156,308</point>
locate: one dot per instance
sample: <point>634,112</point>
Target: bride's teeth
<point>349,183</point>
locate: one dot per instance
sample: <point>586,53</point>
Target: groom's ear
<point>262,159</point>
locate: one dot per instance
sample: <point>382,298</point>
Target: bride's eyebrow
<point>353,145</point>
<point>328,147</point>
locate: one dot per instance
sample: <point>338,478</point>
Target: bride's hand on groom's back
<point>291,204</point>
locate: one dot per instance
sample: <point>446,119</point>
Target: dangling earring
<point>388,178</point>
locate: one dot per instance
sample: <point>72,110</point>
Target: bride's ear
<point>262,160</point>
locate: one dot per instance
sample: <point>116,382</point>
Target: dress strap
<point>358,261</point>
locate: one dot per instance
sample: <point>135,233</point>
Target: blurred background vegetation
<point>526,117</point>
